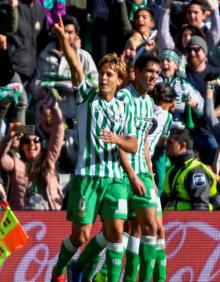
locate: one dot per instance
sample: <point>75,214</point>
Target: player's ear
<point>120,81</point>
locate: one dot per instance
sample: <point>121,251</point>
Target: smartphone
<point>25,129</point>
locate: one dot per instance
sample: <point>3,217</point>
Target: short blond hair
<point>116,62</point>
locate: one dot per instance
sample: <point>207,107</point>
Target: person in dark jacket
<point>23,46</point>
<point>8,25</point>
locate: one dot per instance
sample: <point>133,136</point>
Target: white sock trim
<point>115,247</point>
<point>133,245</point>
<point>149,240</point>
<point>68,244</point>
<point>100,238</point>
<point>125,240</point>
<point>161,245</point>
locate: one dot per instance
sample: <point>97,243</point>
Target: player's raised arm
<point>69,52</point>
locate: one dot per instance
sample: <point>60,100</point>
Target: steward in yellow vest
<point>189,184</point>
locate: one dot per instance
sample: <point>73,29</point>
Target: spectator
<point>194,26</point>
<point>9,16</point>
<point>29,39</point>
<point>215,56</point>
<point>52,64</point>
<point>143,23</point>
<point>187,95</point>
<point>26,43</point>
<point>33,176</point>
<point>196,15</point>
<point>210,114</point>
<point>23,47</point>
<point>108,34</point>
<point>80,9</point>
<point>189,184</point>
<point>197,69</point>
<point>10,94</point>
<point>8,25</point>
<point>215,126</point>
<point>52,59</point>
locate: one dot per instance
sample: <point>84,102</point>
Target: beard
<point>195,62</point>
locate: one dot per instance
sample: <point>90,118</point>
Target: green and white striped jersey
<point>143,113</point>
<point>161,124</point>
<point>96,158</point>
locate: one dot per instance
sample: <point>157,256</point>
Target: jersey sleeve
<point>167,126</point>
<point>82,92</point>
<point>124,96</point>
<point>129,128</point>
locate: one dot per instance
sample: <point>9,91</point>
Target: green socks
<point>102,274</point>
<point>91,267</point>
<point>92,250</point>
<point>132,260</point>
<point>104,270</point>
<point>160,264</point>
<point>67,250</point>
<point>114,255</point>
<point>147,257</point>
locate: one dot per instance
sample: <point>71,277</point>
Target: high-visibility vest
<point>175,188</point>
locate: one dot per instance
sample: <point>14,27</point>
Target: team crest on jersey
<point>118,111</point>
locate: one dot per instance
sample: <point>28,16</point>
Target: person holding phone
<point>33,183</point>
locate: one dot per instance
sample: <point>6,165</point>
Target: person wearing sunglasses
<point>194,24</point>
<point>34,184</point>
<point>198,67</point>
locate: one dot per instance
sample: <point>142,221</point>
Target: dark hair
<point>195,31</point>
<point>182,135</point>
<point>142,61</point>
<point>68,19</point>
<point>201,3</point>
<point>164,93</point>
<point>40,166</point>
<point>151,13</point>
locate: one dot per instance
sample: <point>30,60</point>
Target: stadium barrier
<point>192,240</point>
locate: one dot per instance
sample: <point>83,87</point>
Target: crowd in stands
<point>84,84</point>
<point>38,111</point>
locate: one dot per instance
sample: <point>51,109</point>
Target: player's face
<point>108,80</point>
<point>148,76</point>
<point>195,15</point>
<point>168,68</point>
